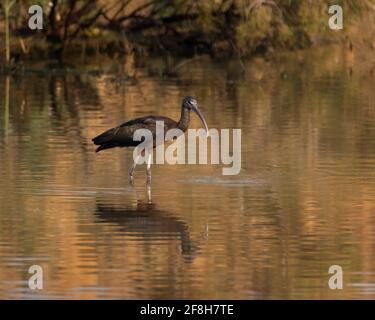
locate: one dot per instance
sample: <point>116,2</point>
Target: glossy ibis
<point>122,136</point>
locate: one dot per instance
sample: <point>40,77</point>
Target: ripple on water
<point>230,182</point>
<point>73,191</point>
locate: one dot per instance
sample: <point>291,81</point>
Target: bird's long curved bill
<point>201,116</point>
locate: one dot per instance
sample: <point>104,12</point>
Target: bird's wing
<point>123,134</point>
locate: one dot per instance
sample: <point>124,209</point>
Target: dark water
<point>304,199</point>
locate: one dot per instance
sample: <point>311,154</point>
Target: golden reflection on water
<point>304,199</point>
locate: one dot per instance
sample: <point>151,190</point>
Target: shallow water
<point>303,201</point>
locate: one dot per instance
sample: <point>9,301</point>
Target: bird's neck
<point>183,124</point>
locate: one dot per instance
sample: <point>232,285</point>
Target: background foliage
<point>186,27</point>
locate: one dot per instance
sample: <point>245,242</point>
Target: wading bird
<point>122,136</point>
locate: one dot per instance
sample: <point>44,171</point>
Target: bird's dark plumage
<point>122,136</point>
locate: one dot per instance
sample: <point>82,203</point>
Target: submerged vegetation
<point>184,27</point>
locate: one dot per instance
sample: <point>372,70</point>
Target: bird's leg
<point>148,185</point>
<point>132,168</point>
<point>149,168</point>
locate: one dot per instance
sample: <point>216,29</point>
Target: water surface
<point>304,199</point>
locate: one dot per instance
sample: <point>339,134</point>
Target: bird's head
<point>191,104</point>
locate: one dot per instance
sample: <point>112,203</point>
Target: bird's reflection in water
<point>147,222</point>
